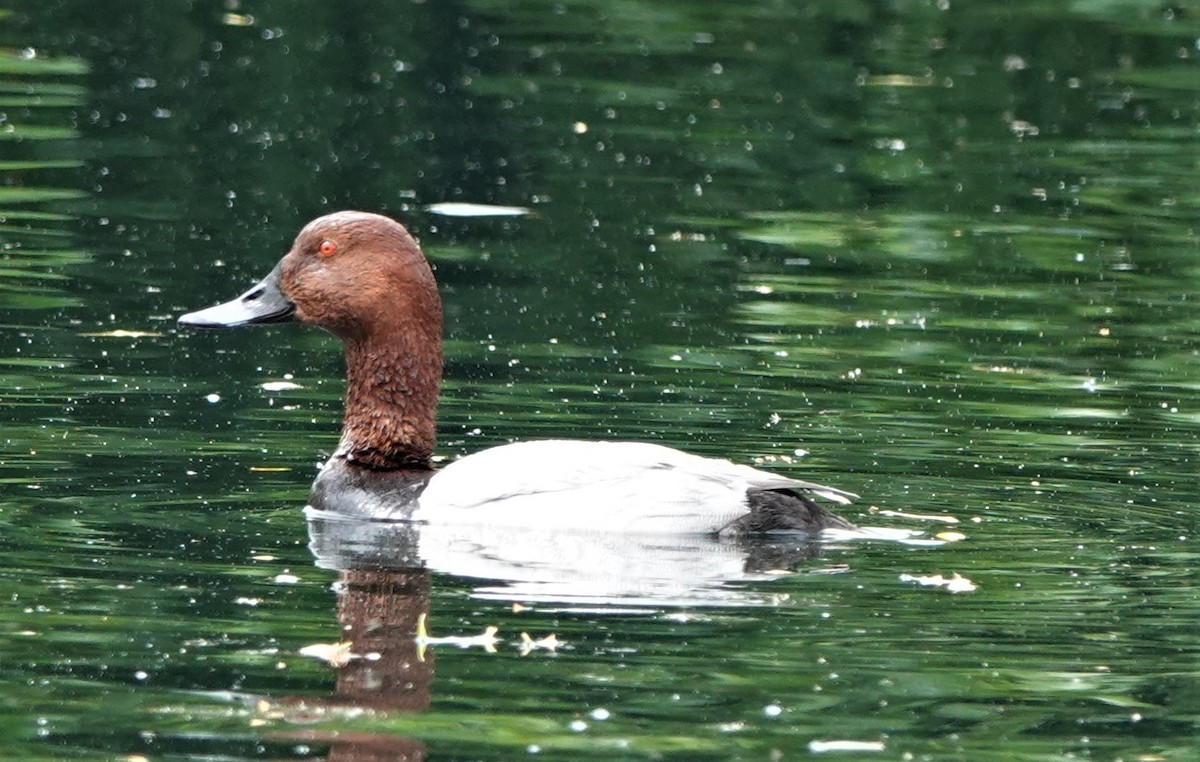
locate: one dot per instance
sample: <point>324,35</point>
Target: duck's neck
<point>391,402</point>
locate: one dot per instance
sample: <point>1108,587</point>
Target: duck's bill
<point>265,303</point>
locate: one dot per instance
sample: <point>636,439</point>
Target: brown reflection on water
<point>377,613</point>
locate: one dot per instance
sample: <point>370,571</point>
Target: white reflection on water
<point>581,567</point>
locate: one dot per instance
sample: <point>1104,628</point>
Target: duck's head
<point>355,274</point>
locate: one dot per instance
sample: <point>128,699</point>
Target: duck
<point>363,277</point>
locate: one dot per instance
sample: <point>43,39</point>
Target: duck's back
<point>613,486</point>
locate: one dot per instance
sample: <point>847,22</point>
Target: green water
<point>940,254</point>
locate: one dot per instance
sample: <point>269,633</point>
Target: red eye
<point>327,248</point>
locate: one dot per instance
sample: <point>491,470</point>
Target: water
<point>941,255</point>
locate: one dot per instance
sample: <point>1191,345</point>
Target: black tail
<point>783,511</point>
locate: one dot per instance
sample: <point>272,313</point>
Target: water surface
<point>939,254</point>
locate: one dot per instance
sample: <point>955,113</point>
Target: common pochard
<point>363,277</point>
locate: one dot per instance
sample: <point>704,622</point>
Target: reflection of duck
<point>565,566</point>
<point>377,612</point>
<point>363,277</point>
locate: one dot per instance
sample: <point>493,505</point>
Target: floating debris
<point>121,333</point>
<point>1007,369</point>
<point>528,644</point>
<point>955,583</point>
<point>917,516</point>
<point>279,386</point>
<point>486,640</point>
<point>237,19</point>
<point>333,654</point>
<point>898,80</point>
<point>819,747</point>
<point>459,209</point>
<point>951,536</point>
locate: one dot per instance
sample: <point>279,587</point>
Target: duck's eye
<point>327,248</point>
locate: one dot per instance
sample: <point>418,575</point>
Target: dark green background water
<point>947,249</point>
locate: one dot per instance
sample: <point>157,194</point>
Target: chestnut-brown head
<point>353,273</point>
<point>357,274</point>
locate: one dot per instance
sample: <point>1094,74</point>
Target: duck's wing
<point>621,486</point>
